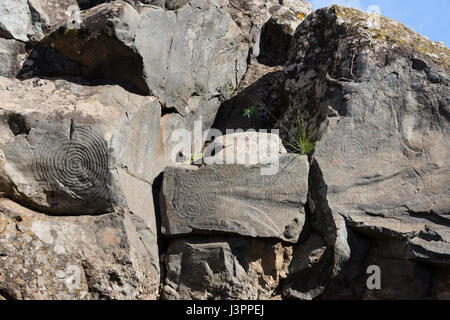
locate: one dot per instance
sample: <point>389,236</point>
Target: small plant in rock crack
<point>229,87</point>
<point>251,113</point>
<point>303,143</point>
<point>194,157</point>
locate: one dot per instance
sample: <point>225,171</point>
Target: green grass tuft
<point>303,143</point>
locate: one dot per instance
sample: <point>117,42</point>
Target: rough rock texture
<point>248,148</point>
<point>309,269</point>
<point>103,257</point>
<point>271,32</point>
<point>205,268</point>
<point>29,20</point>
<point>377,95</point>
<point>93,205</point>
<point>12,55</point>
<point>237,199</point>
<point>69,149</point>
<point>63,156</point>
<point>188,70</point>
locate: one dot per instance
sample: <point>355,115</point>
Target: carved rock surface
<point>12,55</point>
<point>376,94</point>
<point>237,199</point>
<point>219,267</point>
<point>68,147</point>
<point>70,150</point>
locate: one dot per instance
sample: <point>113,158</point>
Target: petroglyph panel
<point>236,199</point>
<point>376,173</point>
<point>351,144</point>
<point>142,145</point>
<point>74,167</point>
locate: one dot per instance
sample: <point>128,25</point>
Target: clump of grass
<point>194,157</point>
<point>229,87</point>
<point>303,143</point>
<point>251,112</point>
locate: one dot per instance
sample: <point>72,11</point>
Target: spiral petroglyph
<point>77,167</point>
<point>236,198</point>
<point>195,203</point>
<point>354,149</point>
<point>350,145</point>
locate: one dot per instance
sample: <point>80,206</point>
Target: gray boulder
<point>29,20</point>
<point>71,150</point>
<point>12,55</point>
<point>375,95</point>
<point>236,199</point>
<point>189,71</point>
<point>74,258</point>
<point>203,268</point>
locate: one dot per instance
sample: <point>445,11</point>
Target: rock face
<point>75,150</point>
<point>29,20</point>
<point>225,268</point>
<point>62,156</point>
<point>188,71</point>
<point>12,55</point>
<point>96,202</point>
<point>270,27</point>
<point>237,199</point>
<point>88,257</point>
<point>249,148</point>
<point>377,95</point>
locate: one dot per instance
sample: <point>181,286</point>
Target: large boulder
<point>12,55</point>
<point>237,199</point>
<point>76,258</point>
<point>29,20</point>
<point>222,267</point>
<point>376,95</point>
<point>72,149</point>
<point>143,49</point>
<point>69,150</point>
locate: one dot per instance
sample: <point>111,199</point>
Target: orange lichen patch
<point>109,237</point>
<point>2,226</point>
<point>300,16</point>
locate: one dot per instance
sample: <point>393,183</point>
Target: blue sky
<point>430,18</point>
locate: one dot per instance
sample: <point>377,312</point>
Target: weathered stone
<point>101,257</point>
<point>187,71</point>
<point>272,27</point>
<point>249,148</point>
<point>252,15</point>
<point>15,19</point>
<point>237,199</point>
<point>69,149</point>
<point>375,94</point>
<point>12,55</point>
<point>28,20</point>
<point>176,4</point>
<point>67,146</point>
<point>204,268</point>
<point>309,269</point>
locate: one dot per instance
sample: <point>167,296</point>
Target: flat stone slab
<point>236,199</point>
